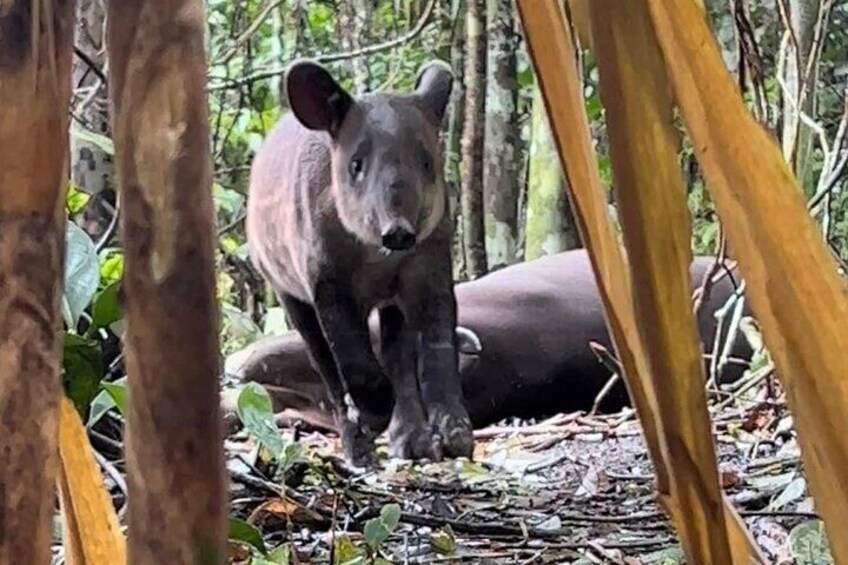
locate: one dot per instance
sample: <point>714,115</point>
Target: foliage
<point>254,411</point>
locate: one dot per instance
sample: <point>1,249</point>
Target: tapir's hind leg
<point>357,433</point>
<point>410,435</point>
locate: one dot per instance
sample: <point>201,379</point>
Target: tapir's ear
<point>433,86</point>
<point>468,342</point>
<point>314,96</point>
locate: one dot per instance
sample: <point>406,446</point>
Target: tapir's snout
<point>399,236</point>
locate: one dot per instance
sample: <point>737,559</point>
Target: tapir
<point>347,215</point>
<point>524,334</point>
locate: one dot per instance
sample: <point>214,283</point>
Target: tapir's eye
<point>355,168</point>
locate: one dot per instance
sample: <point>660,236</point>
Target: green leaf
<point>117,391</point>
<point>256,414</point>
<point>346,553</point>
<point>443,541</point>
<point>275,321</point>
<point>76,199</point>
<point>241,531</point>
<point>82,365</point>
<point>227,200</point>
<point>377,530</point>
<point>81,273</point>
<point>112,269</point>
<point>106,309</point>
<point>99,140</point>
<point>104,401</point>
<point>278,556</point>
<point>809,544</point>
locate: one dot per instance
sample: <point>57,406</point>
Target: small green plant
<point>255,412</point>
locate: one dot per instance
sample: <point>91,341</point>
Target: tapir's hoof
<point>453,431</point>
<point>414,443</point>
<point>358,444</point>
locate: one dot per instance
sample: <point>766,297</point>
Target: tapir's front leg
<point>410,434</point>
<point>369,392</point>
<point>441,388</point>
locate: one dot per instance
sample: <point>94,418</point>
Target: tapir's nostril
<point>398,238</point>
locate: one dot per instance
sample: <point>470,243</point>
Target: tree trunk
<point>472,140</point>
<point>35,75</point>
<point>502,156</point>
<point>354,16</point>
<point>550,227</point>
<point>92,168</point>
<point>174,443</point>
<point>797,136</point>
<point>453,144</point>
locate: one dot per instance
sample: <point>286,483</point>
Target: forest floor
<point>570,489</point>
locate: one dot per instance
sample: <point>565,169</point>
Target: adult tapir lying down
<point>346,213</point>
<point>534,322</point>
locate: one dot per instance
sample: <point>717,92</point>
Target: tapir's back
<point>289,179</point>
<point>535,321</point>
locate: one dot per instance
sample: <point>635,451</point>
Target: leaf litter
<point>570,489</point>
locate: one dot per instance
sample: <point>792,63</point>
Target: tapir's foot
<point>412,438</point>
<point>359,430</point>
<point>452,430</point>
<point>358,445</point>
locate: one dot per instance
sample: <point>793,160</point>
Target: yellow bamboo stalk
<point>550,47</point>
<point>92,531</point>
<point>794,288</point>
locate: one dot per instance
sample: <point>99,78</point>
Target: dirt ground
<point>571,489</point>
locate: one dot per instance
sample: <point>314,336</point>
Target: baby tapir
<point>347,214</point>
<point>524,344</point>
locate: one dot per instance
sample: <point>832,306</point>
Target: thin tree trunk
<point>550,226</point>
<point>797,135</point>
<point>453,144</point>
<point>473,140</point>
<point>35,74</point>
<point>354,24</point>
<point>502,156</point>
<point>174,429</point>
<point>92,168</point>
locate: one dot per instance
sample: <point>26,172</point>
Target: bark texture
<point>454,124</point>
<point>174,429</point>
<point>473,132</point>
<point>502,155</point>
<point>35,89</point>
<point>550,227</point>
<point>797,135</point>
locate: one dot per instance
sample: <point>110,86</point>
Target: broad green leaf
<point>255,412</point>
<point>241,531</point>
<point>105,401</point>
<point>81,272</point>
<point>82,365</point>
<point>809,544</point>
<point>117,390</point>
<point>106,309</point>
<point>97,139</point>
<point>378,529</point>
